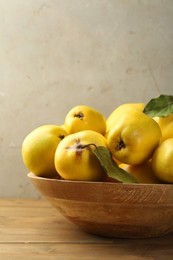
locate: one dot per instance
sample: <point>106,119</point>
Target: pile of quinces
<point>139,144</point>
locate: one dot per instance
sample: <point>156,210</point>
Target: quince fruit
<point>82,118</point>
<point>133,138</point>
<point>74,159</point>
<point>142,172</point>
<point>38,149</point>
<point>162,161</point>
<point>166,126</point>
<point>124,108</point>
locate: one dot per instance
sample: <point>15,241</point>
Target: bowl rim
<point>33,176</point>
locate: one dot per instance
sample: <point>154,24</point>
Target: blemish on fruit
<point>61,137</point>
<point>120,145</point>
<point>79,115</point>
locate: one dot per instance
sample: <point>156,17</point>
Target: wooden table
<point>32,229</point>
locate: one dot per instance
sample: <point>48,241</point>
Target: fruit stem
<point>83,146</point>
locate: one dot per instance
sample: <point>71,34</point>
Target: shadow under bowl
<point>111,209</point>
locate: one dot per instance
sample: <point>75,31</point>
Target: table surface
<point>33,229</point>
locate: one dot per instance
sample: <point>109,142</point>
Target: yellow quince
<point>162,161</point>
<point>124,108</point>
<point>142,172</point>
<point>166,126</point>
<point>133,138</point>
<point>74,159</point>
<point>38,149</point>
<point>82,118</point>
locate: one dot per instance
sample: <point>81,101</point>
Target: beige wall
<point>60,53</point>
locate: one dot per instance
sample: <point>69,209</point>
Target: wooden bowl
<point>112,209</point>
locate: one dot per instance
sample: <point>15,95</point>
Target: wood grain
<point>111,209</point>
<point>32,229</point>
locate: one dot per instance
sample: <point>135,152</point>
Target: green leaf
<point>160,106</point>
<point>111,167</point>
